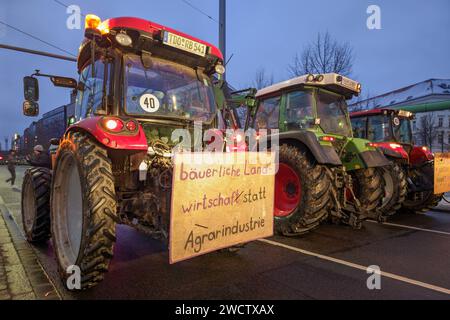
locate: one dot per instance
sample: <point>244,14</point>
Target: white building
<point>437,123</point>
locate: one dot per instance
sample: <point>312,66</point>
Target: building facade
<point>429,128</point>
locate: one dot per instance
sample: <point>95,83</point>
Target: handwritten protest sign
<point>441,173</point>
<point>220,201</point>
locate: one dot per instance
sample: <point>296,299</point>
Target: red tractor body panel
<point>154,28</point>
<point>420,155</point>
<point>119,141</point>
<point>371,112</point>
<point>393,147</point>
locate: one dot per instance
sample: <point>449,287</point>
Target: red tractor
<point>413,166</point>
<point>139,83</point>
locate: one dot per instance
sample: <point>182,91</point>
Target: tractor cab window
<point>378,128</point>
<point>359,126</point>
<point>89,100</point>
<point>299,110</point>
<point>268,114</point>
<point>167,89</point>
<point>332,112</point>
<point>402,130</point>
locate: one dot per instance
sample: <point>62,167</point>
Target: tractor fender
<point>420,155</point>
<point>322,154</point>
<point>365,156</point>
<point>374,158</point>
<point>117,141</point>
<point>397,153</point>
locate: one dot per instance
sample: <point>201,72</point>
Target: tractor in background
<point>323,168</point>
<point>390,130</point>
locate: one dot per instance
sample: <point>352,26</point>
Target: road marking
<point>410,227</point>
<point>358,266</point>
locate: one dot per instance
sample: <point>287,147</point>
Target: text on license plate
<point>185,44</point>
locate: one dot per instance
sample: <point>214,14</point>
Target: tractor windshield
<point>167,89</point>
<point>332,112</point>
<point>379,128</point>
<point>402,130</point>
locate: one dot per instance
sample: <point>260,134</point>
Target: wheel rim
<point>388,188</point>
<point>288,191</point>
<point>29,206</point>
<point>68,218</point>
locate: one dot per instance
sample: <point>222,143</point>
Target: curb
<point>27,269</point>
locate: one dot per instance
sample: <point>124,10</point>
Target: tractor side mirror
<point>31,89</point>
<point>30,108</point>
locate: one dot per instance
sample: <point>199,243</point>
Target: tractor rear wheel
<point>83,210</point>
<point>395,189</point>
<point>302,192</point>
<point>36,204</point>
<point>368,188</point>
<point>423,201</point>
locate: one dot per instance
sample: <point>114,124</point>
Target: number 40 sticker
<point>149,102</point>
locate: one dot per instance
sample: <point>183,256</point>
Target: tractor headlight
<point>124,40</point>
<point>220,69</point>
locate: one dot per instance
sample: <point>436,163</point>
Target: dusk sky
<point>413,44</point>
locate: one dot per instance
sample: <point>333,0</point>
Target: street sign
<point>441,173</point>
<point>220,200</point>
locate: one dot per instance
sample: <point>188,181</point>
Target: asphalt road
<point>329,263</point>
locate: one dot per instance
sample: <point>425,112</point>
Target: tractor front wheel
<point>302,192</point>
<point>83,211</point>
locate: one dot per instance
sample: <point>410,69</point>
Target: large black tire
<point>396,188</point>
<point>315,196</point>
<point>368,186</point>
<point>92,252</point>
<point>422,202</point>
<point>36,204</point>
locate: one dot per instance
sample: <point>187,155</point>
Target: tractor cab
<point>388,128</point>
<point>315,103</point>
<point>138,78</point>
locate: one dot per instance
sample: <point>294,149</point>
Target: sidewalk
<point>21,275</point>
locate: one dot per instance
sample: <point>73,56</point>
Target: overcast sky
<point>413,44</point>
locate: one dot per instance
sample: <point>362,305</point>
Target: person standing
<point>40,158</point>
<point>12,167</point>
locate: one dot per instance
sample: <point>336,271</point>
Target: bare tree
<point>324,55</point>
<point>427,130</point>
<point>262,79</point>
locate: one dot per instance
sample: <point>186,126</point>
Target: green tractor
<point>324,172</point>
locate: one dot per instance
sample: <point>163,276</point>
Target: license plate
<point>349,83</point>
<point>184,44</point>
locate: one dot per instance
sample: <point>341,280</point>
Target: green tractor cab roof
<point>330,81</point>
